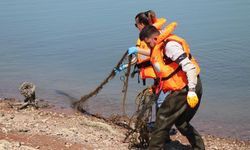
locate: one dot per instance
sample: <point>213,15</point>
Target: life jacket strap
<point>172,74</point>
<point>144,82</point>
<point>144,64</point>
<point>136,71</point>
<point>175,72</point>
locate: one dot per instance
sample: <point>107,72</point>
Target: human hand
<point>192,99</point>
<point>132,50</point>
<point>121,68</point>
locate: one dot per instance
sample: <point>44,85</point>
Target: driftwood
<point>27,89</point>
<point>26,104</point>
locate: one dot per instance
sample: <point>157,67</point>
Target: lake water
<point>68,47</point>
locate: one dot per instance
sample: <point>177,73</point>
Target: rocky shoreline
<point>45,129</point>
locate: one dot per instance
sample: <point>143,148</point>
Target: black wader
<point>175,111</point>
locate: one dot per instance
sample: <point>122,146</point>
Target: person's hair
<point>142,18</point>
<point>146,18</point>
<point>147,31</point>
<point>151,16</point>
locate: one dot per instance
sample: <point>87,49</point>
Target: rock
<point>61,115</point>
<point>17,144</point>
<point>45,120</point>
<point>27,148</point>
<point>214,148</point>
<point>4,130</point>
<point>68,145</point>
<point>23,130</point>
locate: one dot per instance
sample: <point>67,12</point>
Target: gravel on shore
<point>44,129</point>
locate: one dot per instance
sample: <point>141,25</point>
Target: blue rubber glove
<point>121,68</point>
<point>132,50</point>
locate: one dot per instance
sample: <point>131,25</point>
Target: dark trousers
<point>175,111</point>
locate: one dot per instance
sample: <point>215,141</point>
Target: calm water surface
<point>68,47</point>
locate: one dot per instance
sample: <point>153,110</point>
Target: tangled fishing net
<point>139,134</point>
<point>79,104</point>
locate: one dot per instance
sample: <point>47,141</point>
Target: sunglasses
<point>155,39</point>
<point>136,25</point>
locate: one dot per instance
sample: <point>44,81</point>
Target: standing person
<point>146,70</point>
<point>177,72</point>
<point>142,60</point>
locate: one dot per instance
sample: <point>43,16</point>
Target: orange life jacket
<point>143,62</point>
<point>159,23</point>
<point>169,72</point>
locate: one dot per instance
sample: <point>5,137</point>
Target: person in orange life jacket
<point>178,72</point>
<point>143,19</point>
<point>142,60</point>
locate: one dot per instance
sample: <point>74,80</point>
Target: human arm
<point>125,66</point>
<point>144,51</point>
<point>175,52</point>
<point>133,50</point>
